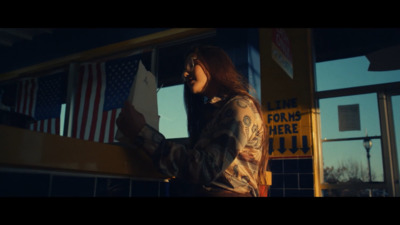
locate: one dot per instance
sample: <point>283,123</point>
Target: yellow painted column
<point>287,84</point>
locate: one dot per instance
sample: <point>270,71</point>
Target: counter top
<point>22,148</point>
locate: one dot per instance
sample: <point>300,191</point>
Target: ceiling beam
<point>19,33</point>
<point>6,42</point>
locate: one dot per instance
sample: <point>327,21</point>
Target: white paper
<point>143,95</point>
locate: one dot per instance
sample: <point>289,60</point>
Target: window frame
<point>389,152</point>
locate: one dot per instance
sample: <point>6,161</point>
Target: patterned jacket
<point>226,155</point>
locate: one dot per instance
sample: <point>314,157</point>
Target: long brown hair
<point>219,66</point>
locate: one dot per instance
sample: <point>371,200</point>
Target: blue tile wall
<point>148,189</point>
<point>24,185</point>
<point>72,186</point>
<point>34,184</point>
<point>306,181</point>
<point>292,178</point>
<point>113,187</point>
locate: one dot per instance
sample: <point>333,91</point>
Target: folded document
<point>143,95</point>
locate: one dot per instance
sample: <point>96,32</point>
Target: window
<point>344,147</point>
<point>344,158</point>
<point>396,111</point>
<point>172,112</point>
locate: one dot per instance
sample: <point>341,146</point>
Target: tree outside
<point>350,175</point>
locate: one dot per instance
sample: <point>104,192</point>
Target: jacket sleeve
<point>215,150</point>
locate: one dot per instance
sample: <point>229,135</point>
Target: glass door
<point>360,135</point>
<point>354,102</point>
<point>351,146</point>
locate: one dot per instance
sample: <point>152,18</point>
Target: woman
<point>228,151</point>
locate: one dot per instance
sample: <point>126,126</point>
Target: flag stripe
<point>18,104</point>
<point>33,127</point>
<point>103,126</point>
<point>51,126</point>
<point>88,106</point>
<point>25,97</point>
<point>98,132</point>
<point>97,96</point>
<point>112,128</point>
<point>26,94</point>
<point>45,126</point>
<point>107,126</point>
<point>82,101</point>
<point>33,92</point>
<point>58,125</point>
<point>34,98</point>
<point>78,101</point>
<point>86,102</point>
<point>77,104</point>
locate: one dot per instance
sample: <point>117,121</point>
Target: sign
<point>349,117</point>
<point>282,51</point>
<point>287,102</point>
<point>287,133</point>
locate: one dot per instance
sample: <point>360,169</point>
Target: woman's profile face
<point>194,75</point>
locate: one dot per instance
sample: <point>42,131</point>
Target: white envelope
<point>143,95</point>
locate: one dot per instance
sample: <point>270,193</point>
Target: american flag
<point>41,98</point>
<point>102,89</point>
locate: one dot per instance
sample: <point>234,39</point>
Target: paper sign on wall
<point>349,117</point>
<point>288,129</point>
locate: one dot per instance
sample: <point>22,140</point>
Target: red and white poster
<point>282,51</point>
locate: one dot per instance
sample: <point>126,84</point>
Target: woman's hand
<point>130,121</point>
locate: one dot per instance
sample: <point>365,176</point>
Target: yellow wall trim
<point>22,148</point>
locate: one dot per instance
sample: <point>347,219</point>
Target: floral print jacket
<point>226,155</point>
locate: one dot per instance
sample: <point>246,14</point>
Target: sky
<point>172,112</point>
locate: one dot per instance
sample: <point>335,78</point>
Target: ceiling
<point>21,46</point>
<point>10,36</point>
